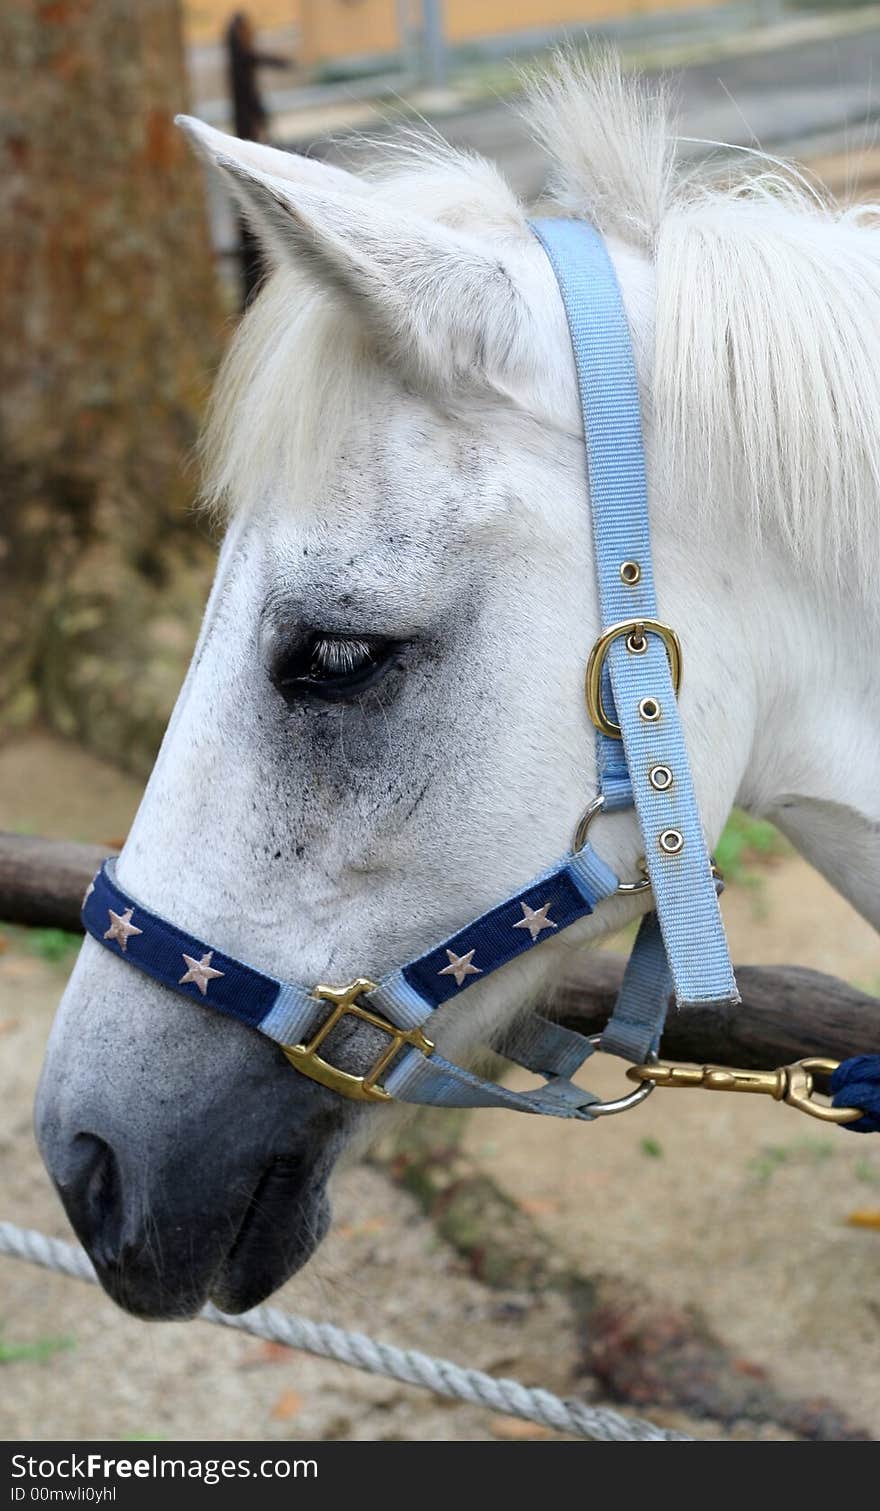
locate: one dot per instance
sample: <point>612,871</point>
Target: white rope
<point>408,1365</point>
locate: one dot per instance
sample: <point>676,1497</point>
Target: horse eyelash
<point>339,657</point>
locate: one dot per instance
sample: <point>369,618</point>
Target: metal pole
<point>407,40</point>
<point>434,60</point>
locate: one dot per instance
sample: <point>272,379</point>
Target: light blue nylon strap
<point>612,419</point>
<point>636,1024</point>
<point>439,1083</point>
<point>399,1002</point>
<point>685,896</point>
<point>290,1015</point>
<point>547,1048</point>
<point>613,771</point>
<point>591,874</point>
<point>295,1013</point>
<point>613,438</point>
<point>684,889</point>
<point>544,1047</point>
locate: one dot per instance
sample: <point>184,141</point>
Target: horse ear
<point>437,302</point>
<point>216,146</point>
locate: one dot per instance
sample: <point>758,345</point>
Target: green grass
<point>747,843</point>
<point>770,1157</point>
<point>746,848</point>
<point>40,1351</point>
<point>651,1148</point>
<point>55,946</point>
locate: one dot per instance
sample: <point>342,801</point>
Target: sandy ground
<point>734,1205</point>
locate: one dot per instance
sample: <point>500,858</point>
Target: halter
<point>632,678</point>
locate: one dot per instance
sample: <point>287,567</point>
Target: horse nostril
<point>92,1194</point>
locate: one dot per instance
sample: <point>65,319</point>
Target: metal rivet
<point>630,573</point>
<point>660,778</point>
<point>637,642</point>
<point>671,841</point>
<point>649,710</point>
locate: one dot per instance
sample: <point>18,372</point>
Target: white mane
<point>767,373</point>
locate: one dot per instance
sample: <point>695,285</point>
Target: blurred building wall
<point>333,29</point>
<point>466,19</point>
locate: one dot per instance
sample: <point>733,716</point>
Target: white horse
<point>382,731</point>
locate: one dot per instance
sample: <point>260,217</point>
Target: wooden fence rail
<point>786,1012</point>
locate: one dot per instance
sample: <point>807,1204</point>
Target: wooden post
<point>787,1012</point>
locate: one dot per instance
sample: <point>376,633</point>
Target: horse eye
<point>332,667</point>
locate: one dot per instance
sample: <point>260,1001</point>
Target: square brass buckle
<point>305,1057</point>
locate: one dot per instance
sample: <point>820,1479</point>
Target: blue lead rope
<point>856,1083</point>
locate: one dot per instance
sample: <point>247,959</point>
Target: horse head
<point>382,730</point>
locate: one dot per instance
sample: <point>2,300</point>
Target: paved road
<point>779,97</point>
<point>826,90</point>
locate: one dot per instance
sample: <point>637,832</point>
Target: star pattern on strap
<point>199,972</point>
<point>121,928</point>
<point>460,966</point>
<point>535,919</point>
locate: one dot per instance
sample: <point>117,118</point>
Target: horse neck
<point>814,767</point>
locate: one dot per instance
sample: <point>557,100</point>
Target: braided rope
<point>409,1365</point>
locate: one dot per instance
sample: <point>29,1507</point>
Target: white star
<point>460,966</point>
<point>200,972</point>
<point>535,919</point>
<point>121,928</point>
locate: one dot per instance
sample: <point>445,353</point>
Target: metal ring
<point>580,833</point>
<point>621,1104</point>
<point>580,839</point>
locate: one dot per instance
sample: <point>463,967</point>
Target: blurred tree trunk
<point>109,327</point>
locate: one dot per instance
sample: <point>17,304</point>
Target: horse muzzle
<point>191,1163</point>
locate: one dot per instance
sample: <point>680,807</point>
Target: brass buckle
<point>305,1057</point>
<point>635,630</point>
<point>792,1084</point>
